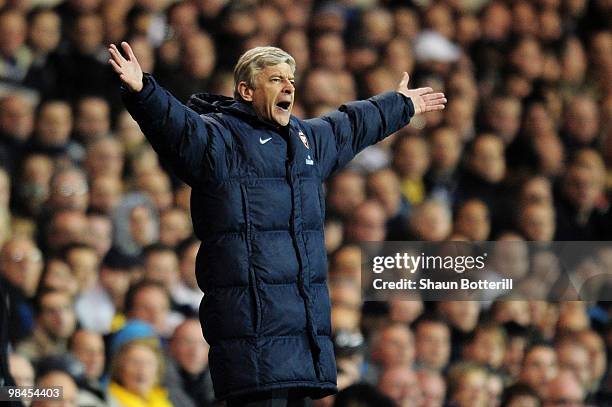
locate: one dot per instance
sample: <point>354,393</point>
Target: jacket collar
<point>204,103</point>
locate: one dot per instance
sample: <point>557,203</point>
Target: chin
<point>283,121</point>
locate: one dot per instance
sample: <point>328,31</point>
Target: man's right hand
<point>129,70</point>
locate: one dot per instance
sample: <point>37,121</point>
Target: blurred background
<point>96,233</point>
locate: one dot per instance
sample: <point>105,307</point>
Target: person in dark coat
<point>258,207</point>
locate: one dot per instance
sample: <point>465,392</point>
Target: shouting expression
<point>273,95</point>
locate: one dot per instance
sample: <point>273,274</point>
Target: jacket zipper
<point>252,278</point>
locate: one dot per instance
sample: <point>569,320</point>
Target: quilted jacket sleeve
<point>178,134</point>
<point>341,134</point>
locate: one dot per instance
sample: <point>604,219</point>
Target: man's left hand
<point>423,99</point>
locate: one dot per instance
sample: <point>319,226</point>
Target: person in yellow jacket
<point>135,375</point>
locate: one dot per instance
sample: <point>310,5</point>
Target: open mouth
<point>284,106</point>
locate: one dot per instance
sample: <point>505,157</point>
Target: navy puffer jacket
<point>257,205</point>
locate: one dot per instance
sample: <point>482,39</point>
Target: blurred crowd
<point>97,248</point>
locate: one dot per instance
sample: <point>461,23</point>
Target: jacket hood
<point>204,103</point>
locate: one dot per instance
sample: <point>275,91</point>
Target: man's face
<point>88,347</point>
<point>539,368</point>
<point>57,315</point>
<point>21,263</point>
<point>432,342</point>
<point>189,348</point>
<point>397,347</point>
<point>151,305</point>
<point>274,93</point>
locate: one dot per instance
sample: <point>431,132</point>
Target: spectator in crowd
<point>100,308</point>
<point>472,220</point>
<point>15,56</point>
<point>345,295</point>
<point>52,130</point>
<point>186,293</point>
<point>393,346</point>
<point>137,367</point>
<point>539,368</point>
<point>384,186</point>
<point>433,388</point>
<point>430,221</point>
<point>401,385</point>
<point>577,214</point>
<point>467,385</point>
<point>16,126</point>
<point>574,357</point>
<point>520,395</point>
<point>411,161</point>
<point>597,357</point>
<point>442,177</point>
<point>55,379</point>
<point>44,37</point>
<point>88,348</point>
<point>34,185</point>
<point>104,157</point>
<point>537,222</point>
<point>84,264</point>
<point>161,265</point>
<point>100,232</point>
<point>55,323</point>
<point>484,173</point>
<point>432,343</point>
<point>92,119</point>
<point>57,275</point>
<point>106,192</point>
<point>347,190</point>
<point>66,227</point>
<point>503,117</point>
<point>462,318</point>
<point>149,301</point>
<point>21,265</point>
<point>487,346</point>
<point>187,367</point>
<point>367,223</point>
<point>564,389</point>
<point>174,226</point>
<point>69,191</point>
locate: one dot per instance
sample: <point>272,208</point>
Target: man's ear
<point>245,91</point>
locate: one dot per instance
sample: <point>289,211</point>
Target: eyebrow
<point>278,75</point>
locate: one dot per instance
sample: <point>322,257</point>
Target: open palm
<point>423,99</point>
<point>129,69</point>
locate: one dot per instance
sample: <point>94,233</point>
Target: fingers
<point>433,108</point>
<point>434,96</point>
<point>116,55</point>
<point>114,49</point>
<point>404,82</point>
<point>116,67</point>
<point>128,51</point>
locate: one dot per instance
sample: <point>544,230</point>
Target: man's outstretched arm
<point>357,125</point>
<point>178,134</point>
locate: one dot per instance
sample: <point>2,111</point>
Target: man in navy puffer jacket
<point>257,205</point>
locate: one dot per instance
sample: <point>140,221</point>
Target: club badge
<point>304,139</point>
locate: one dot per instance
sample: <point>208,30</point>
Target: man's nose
<point>289,88</point>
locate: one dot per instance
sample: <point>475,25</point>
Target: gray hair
<point>256,59</point>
